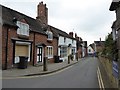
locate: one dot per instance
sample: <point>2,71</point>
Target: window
<point>63,51</point>
<point>72,41</point>
<point>49,51</point>
<point>89,50</point>
<point>50,35</point>
<point>73,51</point>
<point>64,39</point>
<point>23,28</point>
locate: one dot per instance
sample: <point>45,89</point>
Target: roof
<point>92,46</point>
<point>59,32</point>
<point>99,43</point>
<point>8,15</point>
<point>114,24</point>
<point>114,5</point>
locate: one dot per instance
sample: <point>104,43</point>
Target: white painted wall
<point>91,50</point>
<point>68,41</point>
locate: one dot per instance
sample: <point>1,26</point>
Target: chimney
<point>71,34</point>
<point>100,39</point>
<point>75,35</point>
<point>42,13</point>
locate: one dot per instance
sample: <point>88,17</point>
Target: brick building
<point>33,38</point>
<point>25,36</point>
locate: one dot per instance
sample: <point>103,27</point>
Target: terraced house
<point>25,36</point>
<point>32,38</point>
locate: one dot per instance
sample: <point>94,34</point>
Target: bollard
<point>45,64</point>
<point>77,56</point>
<point>69,59</point>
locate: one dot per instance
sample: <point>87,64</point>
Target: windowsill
<point>50,40</point>
<point>50,57</point>
<point>23,36</point>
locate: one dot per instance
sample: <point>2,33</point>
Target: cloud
<point>90,19</point>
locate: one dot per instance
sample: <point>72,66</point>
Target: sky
<point>90,19</point>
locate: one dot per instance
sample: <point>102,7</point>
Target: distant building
<point>98,46</point>
<point>91,50</point>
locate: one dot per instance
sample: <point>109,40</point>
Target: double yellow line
<point>100,80</point>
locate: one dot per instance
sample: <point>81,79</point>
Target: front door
<point>39,54</point>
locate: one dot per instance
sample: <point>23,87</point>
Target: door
<point>39,54</point>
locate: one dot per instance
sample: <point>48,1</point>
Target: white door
<point>39,54</point>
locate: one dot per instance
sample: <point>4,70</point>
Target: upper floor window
<point>50,35</point>
<point>64,39</point>
<point>23,28</point>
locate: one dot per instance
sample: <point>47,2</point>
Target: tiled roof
<point>8,15</point>
<point>60,32</point>
<point>99,43</point>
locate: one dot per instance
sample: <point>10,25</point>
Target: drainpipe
<point>6,50</point>
<point>34,49</point>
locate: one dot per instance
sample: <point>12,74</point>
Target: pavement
<point>37,70</point>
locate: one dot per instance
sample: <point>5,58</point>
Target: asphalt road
<point>81,75</point>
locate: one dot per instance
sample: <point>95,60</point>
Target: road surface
<point>81,75</point>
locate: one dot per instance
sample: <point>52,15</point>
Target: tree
<point>108,49</point>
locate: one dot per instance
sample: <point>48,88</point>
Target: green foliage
<point>108,50</point>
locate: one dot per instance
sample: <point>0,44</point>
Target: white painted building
<point>67,46</point>
<point>90,51</point>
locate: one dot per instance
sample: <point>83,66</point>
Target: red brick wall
<point>43,39</point>
<point>12,33</point>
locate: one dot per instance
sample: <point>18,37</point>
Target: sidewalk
<point>32,70</point>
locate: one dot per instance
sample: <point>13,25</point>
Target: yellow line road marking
<point>100,80</point>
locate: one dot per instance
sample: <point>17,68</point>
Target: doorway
<point>39,54</point>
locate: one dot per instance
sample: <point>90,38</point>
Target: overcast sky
<point>90,19</point>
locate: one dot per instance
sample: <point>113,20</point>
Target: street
<point>81,75</point>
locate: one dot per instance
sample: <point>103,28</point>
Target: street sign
<point>115,69</point>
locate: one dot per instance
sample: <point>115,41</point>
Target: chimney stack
<point>42,13</point>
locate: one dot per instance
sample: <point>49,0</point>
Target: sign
<point>115,69</point>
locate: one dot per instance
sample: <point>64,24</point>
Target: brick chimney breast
<point>42,13</point>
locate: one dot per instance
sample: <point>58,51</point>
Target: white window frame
<point>50,35</point>
<point>50,52</point>
<point>23,28</point>
<point>63,51</point>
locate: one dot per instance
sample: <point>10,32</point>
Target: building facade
<point>66,44</point>
<point>33,38</point>
<point>90,50</point>
<point>115,6</point>
<point>25,36</point>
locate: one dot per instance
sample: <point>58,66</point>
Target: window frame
<point>23,28</point>
<point>50,35</point>
<point>49,52</point>
<point>63,52</point>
